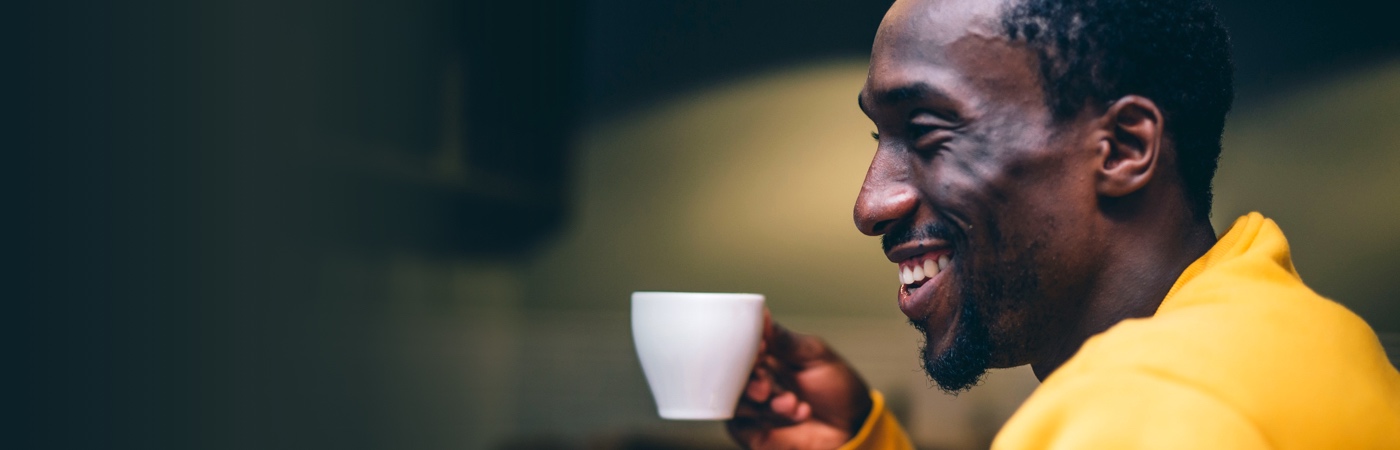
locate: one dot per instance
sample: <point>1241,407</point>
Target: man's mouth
<point>913,272</point>
<point>921,277</point>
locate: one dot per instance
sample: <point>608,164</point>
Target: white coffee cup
<point>697,349</point>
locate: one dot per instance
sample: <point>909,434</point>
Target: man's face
<point>981,197</point>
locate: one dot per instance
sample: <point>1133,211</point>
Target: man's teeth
<point>920,268</point>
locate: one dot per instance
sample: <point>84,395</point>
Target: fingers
<point>784,404</point>
<point>802,413</point>
<point>764,398</point>
<point>785,409</point>
<point>760,387</point>
<point>786,345</point>
<point>795,349</point>
<point>770,377</point>
<point>771,399</point>
<point>782,354</point>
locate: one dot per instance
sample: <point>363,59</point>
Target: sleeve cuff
<point>881,430</point>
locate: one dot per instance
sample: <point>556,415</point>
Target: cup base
<point>694,414</point>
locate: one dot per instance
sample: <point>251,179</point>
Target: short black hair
<point>1175,52</point>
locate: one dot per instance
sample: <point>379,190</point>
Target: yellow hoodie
<point>1240,355</point>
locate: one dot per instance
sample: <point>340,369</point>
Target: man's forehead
<point>920,24</point>
<point>952,45</point>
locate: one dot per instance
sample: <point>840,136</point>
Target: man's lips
<point>921,276</point>
<point>901,253</point>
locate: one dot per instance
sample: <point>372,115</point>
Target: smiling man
<point>1042,180</point>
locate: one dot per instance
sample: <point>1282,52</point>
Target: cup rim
<point>668,296</point>
<point>680,293</point>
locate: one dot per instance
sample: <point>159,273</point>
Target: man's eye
<point>875,135</point>
<point>931,139</point>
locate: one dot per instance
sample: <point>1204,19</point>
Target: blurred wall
<point>1324,161</point>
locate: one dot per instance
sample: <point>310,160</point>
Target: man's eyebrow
<point>906,93</point>
<point>912,91</point>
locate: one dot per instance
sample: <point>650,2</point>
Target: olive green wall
<point>1324,161</point>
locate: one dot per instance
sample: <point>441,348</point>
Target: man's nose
<point>886,197</point>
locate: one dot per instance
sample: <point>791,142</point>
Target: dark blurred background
<point>415,224</point>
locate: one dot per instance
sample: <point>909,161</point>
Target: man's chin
<point>958,361</point>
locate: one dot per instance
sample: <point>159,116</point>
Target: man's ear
<point>1131,148</point>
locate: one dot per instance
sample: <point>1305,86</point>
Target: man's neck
<point>1137,275</point>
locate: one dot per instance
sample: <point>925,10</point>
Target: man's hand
<point>800,395</point>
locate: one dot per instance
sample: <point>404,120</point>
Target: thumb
<point>792,348</point>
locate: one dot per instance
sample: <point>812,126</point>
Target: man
<point>1042,179</point>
